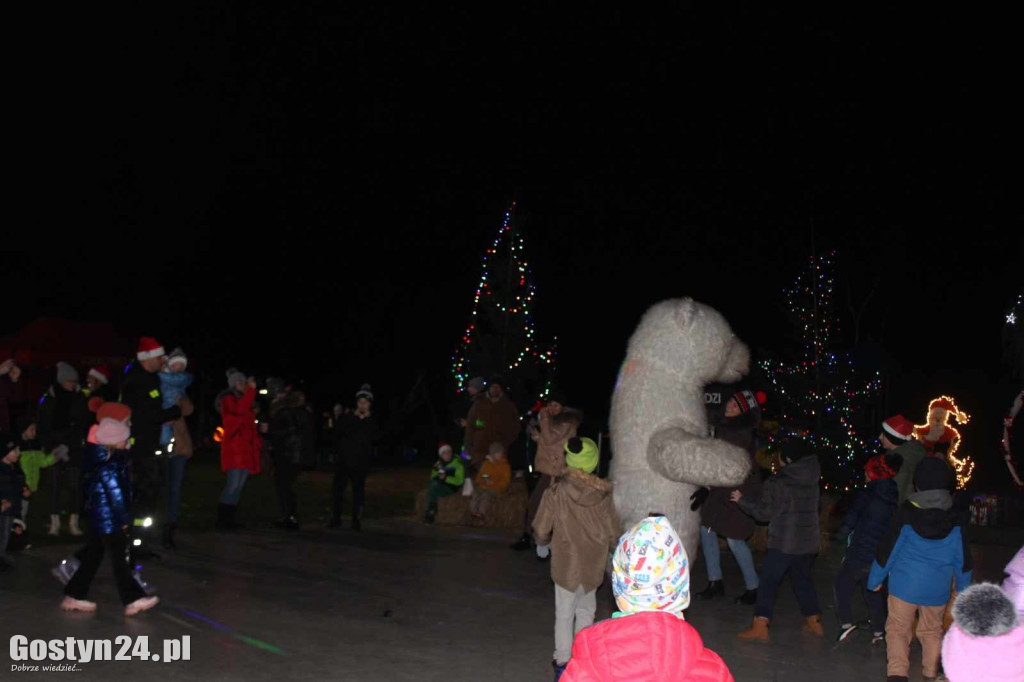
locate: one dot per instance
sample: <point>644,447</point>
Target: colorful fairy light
<point>822,387</point>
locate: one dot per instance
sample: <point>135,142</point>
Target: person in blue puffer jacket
<point>923,554</point>
<point>108,510</point>
<point>865,525</point>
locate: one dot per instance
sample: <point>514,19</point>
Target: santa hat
<point>898,428</point>
<point>100,373</point>
<point>149,348</point>
<point>444,446</point>
<point>748,400</point>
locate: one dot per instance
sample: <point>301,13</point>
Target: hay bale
<point>507,510</point>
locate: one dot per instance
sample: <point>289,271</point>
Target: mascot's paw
<point>681,456</point>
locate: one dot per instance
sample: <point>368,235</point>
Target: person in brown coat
<point>554,425</point>
<point>577,517</point>
<point>492,419</point>
<point>719,515</point>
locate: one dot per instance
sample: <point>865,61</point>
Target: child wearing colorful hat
<point>647,639</point>
<point>446,478</point>
<point>577,518</point>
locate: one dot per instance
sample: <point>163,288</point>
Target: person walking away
<point>897,438</point>
<point>577,516</point>
<point>789,503</point>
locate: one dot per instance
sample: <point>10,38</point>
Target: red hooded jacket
<point>644,647</point>
<point>242,443</point>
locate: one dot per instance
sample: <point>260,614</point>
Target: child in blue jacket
<point>924,552</point>
<point>173,382</point>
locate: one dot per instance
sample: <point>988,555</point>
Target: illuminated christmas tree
<point>820,393</point>
<point>501,336</point>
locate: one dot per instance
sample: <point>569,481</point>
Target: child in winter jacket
<point>924,551</point>
<point>492,480</point>
<point>33,458</point>
<point>789,503</point>
<point>108,501</point>
<point>12,489</point>
<point>647,640</point>
<point>577,516</point>
<point>986,639</point>
<point>446,478</point>
<point>865,524</point>
<point>174,380</point>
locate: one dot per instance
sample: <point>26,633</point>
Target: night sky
<point>309,189</point>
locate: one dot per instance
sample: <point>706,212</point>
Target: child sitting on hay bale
<point>492,480</point>
<point>446,478</point>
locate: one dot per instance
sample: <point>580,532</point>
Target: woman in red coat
<point>240,449</point>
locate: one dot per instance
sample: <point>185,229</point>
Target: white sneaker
<point>65,569</point>
<point>73,525</point>
<point>54,528</point>
<point>71,604</point>
<point>140,605</point>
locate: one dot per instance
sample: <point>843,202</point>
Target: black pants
<point>851,573</point>
<point>342,475</point>
<point>285,473</point>
<point>64,475</point>
<point>91,557</point>
<point>775,567</point>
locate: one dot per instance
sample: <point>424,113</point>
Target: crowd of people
<point>117,461</point>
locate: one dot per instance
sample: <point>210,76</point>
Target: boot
<point>167,539</point>
<point>73,525</point>
<point>222,517</point>
<point>54,528</point>
<point>714,589</point>
<point>758,630</point>
<point>748,598</point>
<point>813,626</point>
<point>559,669</point>
<point>232,523</point>
<point>523,543</point>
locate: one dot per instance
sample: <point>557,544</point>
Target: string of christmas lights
<point>822,395</point>
<point>501,316</point>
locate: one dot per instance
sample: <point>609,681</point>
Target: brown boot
<point>758,630</point>
<point>812,626</point>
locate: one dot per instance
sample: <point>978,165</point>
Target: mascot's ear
<point>686,311</point>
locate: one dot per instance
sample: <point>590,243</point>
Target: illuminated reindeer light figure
<point>938,436</point>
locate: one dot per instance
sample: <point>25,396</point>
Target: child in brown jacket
<point>492,480</point>
<point>577,516</point>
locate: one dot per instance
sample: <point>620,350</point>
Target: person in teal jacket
<point>446,478</point>
<point>923,555</point>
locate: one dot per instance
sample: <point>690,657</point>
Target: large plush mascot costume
<point>661,450</point>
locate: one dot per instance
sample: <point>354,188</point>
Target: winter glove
<point>698,498</point>
<point>60,453</point>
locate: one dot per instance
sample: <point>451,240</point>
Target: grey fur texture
<point>984,610</point>
<point>661,449</point>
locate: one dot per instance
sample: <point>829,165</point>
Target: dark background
<point>308,190</point>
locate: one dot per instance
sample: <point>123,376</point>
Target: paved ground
<point>399,601</point>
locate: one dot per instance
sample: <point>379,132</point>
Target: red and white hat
<point>100,373</point>
<point>441,447</point>
<point>149,348</point>
<point>898,428</point>
<point>748,400</point>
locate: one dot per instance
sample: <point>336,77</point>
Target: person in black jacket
<point>141,393</point>
<point>63,421</point>
<point>868,520</point>
<point>292,446</point>
<point>12,489</point>
<point>356,432</point>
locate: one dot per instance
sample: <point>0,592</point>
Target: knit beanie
<point>496,379</point>
<point>651,571</point>
<point>109,410</point>
<point>477,384</point>
<point>880,466</point>
<point>177,355</point>
<point>365,392</point>
<point>496,448</point>
<point>235,377</point>
<point>794,449</point>
<point>986,639</point>
<point>66,372</point>
<point>933,473</point>
<point>748,401</point>
<point>112,432</point>
<point>581,453</point>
